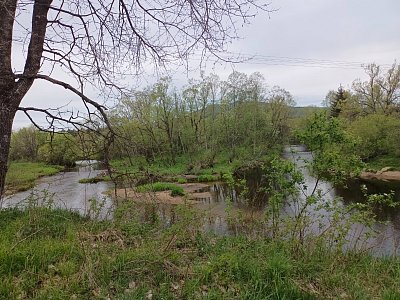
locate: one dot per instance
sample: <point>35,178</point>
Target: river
<point>64,191</point>
<point>219,200</point>
<point>384,236</point>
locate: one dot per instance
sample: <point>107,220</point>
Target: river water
<point>382,238</point>
<point>220,201</point>
<point>64,191</point>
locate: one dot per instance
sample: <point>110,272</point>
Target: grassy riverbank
<point>384,161</point>
<point>22,175</point>
<point>185,164</point>
<point>53,254</point>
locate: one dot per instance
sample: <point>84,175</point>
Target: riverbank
<point>21,176</point>
<point>384,161</point>
<point>184,170</point>
<point>222,163</point>
<point>167,193</point>
<point>57,254</point>
<point>383,175</point>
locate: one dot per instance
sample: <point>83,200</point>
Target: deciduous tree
<point>96,41</point>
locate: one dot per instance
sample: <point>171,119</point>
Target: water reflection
<point>225,211</point>
<point>383,238</point>
<point>64,191</point>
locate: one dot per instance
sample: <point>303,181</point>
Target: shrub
<point>377,134</point>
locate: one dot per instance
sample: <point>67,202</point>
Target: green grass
<point>382,162</point>
<point>161,186</point>
<point>159,166</point>
<point>93,180</point>
<point>181,180</point>
<point>22,175</point>
<point>54,254</point>
<point>184,165</point>
<point>207,178</point>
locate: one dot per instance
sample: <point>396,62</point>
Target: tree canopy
<point>97,42</point>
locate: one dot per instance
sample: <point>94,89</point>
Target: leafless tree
<point>99,41</point>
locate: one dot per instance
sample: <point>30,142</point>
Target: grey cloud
<point>346,30</point>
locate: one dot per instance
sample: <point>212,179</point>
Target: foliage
<point>206,117</point>
<point>93,180</point>
<point>22,175</point>
<point>181,180</point>
<point>282,184</point>
<point>334,151</point>
<point>161,186</point>
<point>378,163</point>
<point>48,254</point>
<point>206,178</point>
<point>379,94</point>
<point>60,149</point>
<point>377,135</point>
<point>298,120</point>
<point>185,164</point>
<point>371,109</point>
<point>25,144</point>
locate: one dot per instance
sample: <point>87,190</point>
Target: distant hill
<point>301,111</point>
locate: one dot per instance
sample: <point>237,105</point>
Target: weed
<point>75,257</point>
<point>206,178</point>
<point>384,161</point>
<point>161,186</point>
<point>181,180</point>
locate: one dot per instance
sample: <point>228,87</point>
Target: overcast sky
<point>307,47</point>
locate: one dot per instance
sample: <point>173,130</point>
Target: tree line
<point>207,116</point>
<point>371,111</point>
<point>240,115</point>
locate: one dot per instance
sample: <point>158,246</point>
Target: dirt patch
<point>196,187</point>
<point>195,192</point>
<point>384,176</point>
<point>190,178</point>
<point>153,197</point>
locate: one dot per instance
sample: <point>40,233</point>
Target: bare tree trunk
<point>6,119</point>
<point>12,91</point>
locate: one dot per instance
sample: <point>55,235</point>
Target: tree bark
<point>7,114</point>
<point>11,91</point>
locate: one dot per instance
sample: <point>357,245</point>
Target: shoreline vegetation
<point>21,176</point>
<point>57,254</point>
<point>170,139</point>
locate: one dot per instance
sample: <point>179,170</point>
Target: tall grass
<point>22,175</point>
<point>384,161</point>
<point>54,254</point>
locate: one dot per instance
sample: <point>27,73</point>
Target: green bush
<point>377,134</point>
<point>61,150</point>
